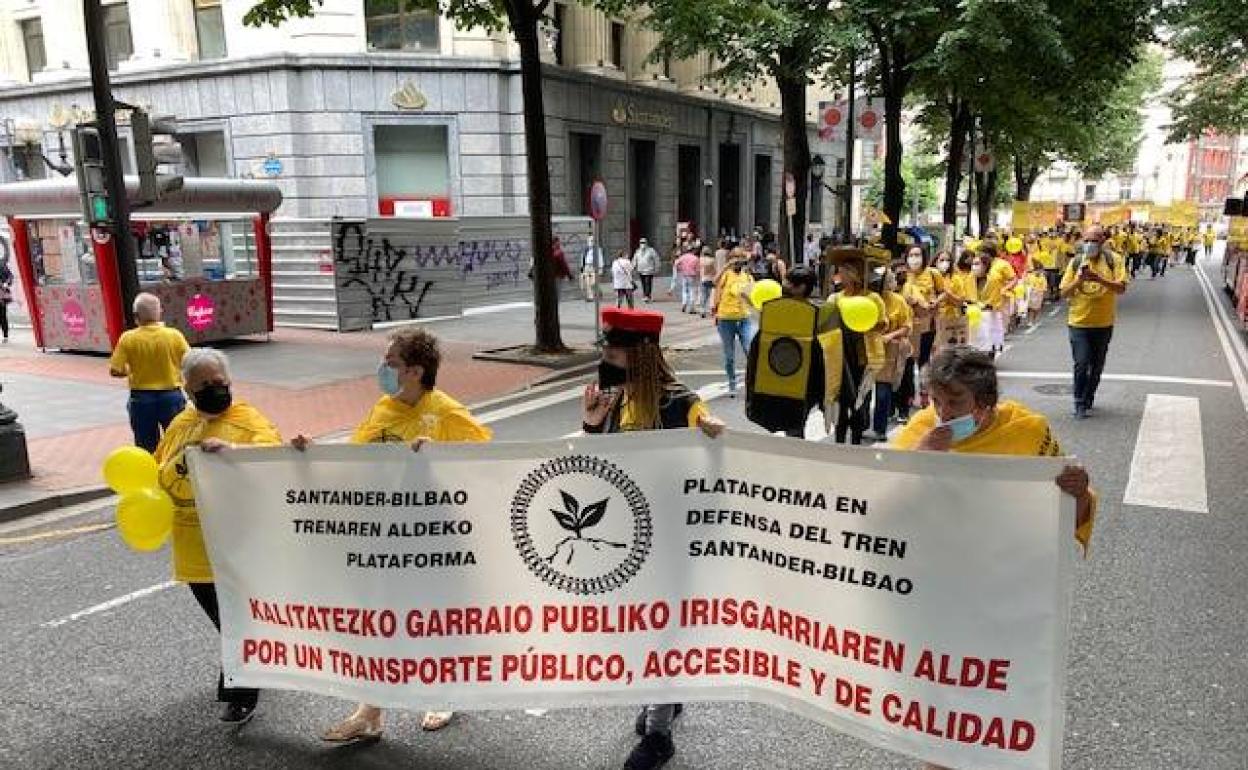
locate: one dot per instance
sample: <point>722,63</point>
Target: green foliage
<point>921,174</point>
<point>1213,35</point>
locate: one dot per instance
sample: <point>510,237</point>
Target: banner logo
<point>581,525</point>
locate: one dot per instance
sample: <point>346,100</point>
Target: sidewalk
<point>306,381</point>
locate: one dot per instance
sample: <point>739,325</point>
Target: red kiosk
<point>204,250</point>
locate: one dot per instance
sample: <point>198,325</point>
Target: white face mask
<point>914,263</point>
<point>943,265</point>
<point>978,270</point>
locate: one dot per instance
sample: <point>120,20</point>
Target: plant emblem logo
<point>581,525</point>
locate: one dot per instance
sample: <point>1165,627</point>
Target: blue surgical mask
<point>388,379</point>
<point>962,427</point>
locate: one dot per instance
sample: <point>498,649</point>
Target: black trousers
<point>647,286</point>
<point>850,422</point>
<point>4,318</point>
<point>1089,348</point>
<point>206,595</point>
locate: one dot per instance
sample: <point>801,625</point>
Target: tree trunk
<point>545,288</point>
<point>1025,176</point>
<point>894,82</point>
<point>796,159</point>
<point>959,128</point>
<point>985,194</point>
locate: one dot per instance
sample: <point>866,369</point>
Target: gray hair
<point>197,357</point>
<point>967,367</point>
<point>147,307</point>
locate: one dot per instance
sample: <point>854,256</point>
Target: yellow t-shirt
<point>628,416</point>
<point>240,424</point>
<point>734,288</point>
<point>896,311</point>
<point>436,416</point>
<point>927,285</point>
<point>151,355</point>
<point>966,286</point>
<point>1015,430</point>
<point>1046,258</point>
<point>1092,306</point>
<point>1208,239</point>
<point>1002,271</point>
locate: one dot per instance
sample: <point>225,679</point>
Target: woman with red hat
<point>637,390</point>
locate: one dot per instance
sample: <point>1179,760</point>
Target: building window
<point>413,170</point>
<point>118,44</point>
<point>203,153</point>
<point>210,29</point>
<point>617,45</point>
<point>1089,192</point>
<point>32,39</point>
<point>667,65</point>
<point>560,22</point>
<point>391,25</point>
<point>1124,193</point>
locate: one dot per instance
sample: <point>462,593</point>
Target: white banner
<point>916,601</point>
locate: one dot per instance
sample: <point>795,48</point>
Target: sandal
<point>354,728</point>
<point>435,720</point>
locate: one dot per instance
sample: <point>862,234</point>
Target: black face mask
<point>610,375</point>
<point>212,399</point>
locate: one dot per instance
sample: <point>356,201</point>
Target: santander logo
<point>201,311</point>
<point>74,318</point>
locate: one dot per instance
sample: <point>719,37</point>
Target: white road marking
<point>531,405</point>
<point>1168,467</point>
<point>1232,344</point>
<point>110,604</point>
<point>1150,378</point>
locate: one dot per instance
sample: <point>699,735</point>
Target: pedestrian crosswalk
<point>1168,465</point>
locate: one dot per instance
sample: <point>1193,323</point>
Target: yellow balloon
<point>974,314</point>
<point>1014,245</point>
<point>128,469</point>
<point>765,291</point>
<point>860,314</point>
<point>145,518</point>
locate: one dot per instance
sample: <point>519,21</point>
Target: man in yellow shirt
<point>732,314</point>
<point>1091,284</point>
<point>150,356</point>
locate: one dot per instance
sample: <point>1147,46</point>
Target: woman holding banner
<point>214,421</point>
<point>967,417</point>
<point>413,411</point>
<point>636,390</point>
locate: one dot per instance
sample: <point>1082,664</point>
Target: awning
<point>199,195</point>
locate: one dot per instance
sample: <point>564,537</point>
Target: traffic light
<point>157,154</point>
<point>89,165</point>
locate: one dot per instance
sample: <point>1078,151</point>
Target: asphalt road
<point>1158,673</point>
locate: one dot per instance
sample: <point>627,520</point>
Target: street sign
<point>598,201</point>
<point>832,121</point>
<point>272,166</point>
<point>985,161</point>
<point>790,185</point>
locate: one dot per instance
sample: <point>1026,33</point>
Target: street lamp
<point>817,168</point>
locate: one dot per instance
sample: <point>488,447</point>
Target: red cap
<point>629,327</point>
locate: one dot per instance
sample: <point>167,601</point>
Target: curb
<point>53,501</point>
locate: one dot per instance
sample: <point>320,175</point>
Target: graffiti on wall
<point>496,264</point>
<point>390,275</point>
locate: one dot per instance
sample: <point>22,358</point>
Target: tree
<point>920,173</point>
<point>521,18</point>
<point>1213,35</point>
<point>902,33</point>
<point>792,41</point>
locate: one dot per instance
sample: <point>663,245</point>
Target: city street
<point>107,664</point>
